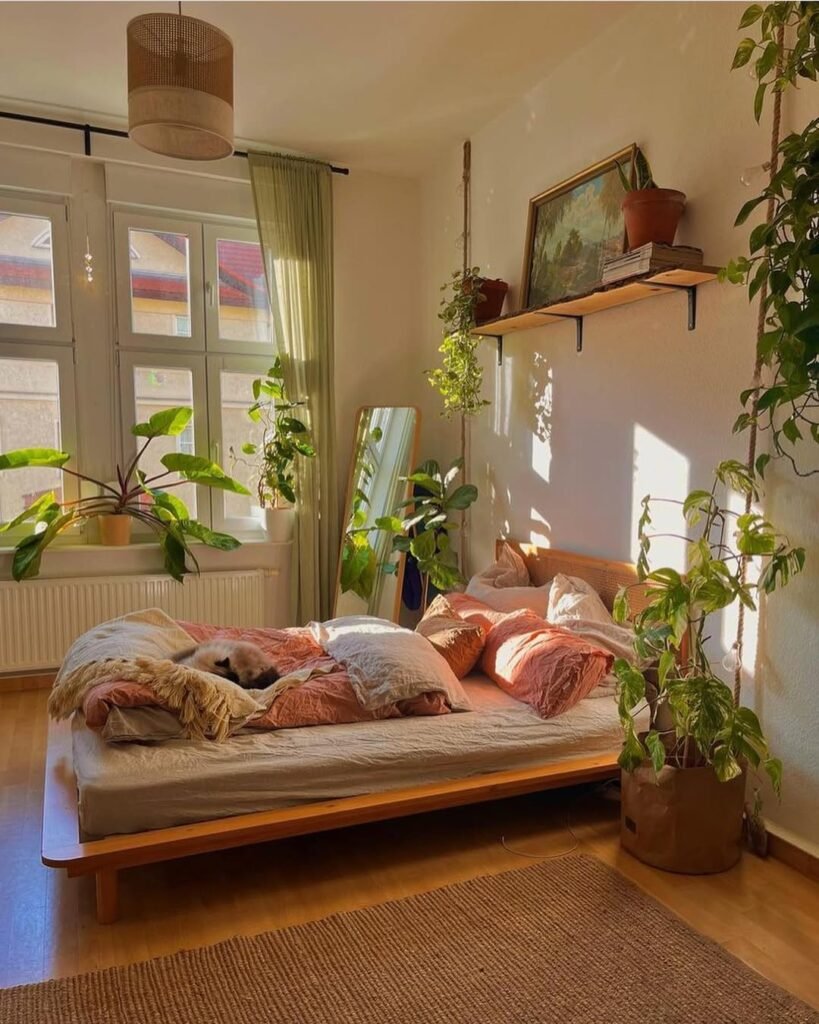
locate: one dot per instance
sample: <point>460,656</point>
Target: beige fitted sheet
<point>134,787</point>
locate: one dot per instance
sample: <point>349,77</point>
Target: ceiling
<point>378,85</point>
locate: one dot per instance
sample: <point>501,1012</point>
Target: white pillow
<point>510,599</point>
<point>509,570</point>
<point>571,598</point>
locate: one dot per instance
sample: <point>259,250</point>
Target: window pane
<point>26,271</point>
<point>156,388</point>
<point>29,417</point>
<point>160,283</point>
<point>237,428</point>
<point>244,312</point>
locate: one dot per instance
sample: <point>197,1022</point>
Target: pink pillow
<point>546,667</point>
<point>470,609</point>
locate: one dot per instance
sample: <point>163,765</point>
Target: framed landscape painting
<point>573,227</point>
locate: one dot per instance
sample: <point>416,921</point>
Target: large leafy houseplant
<point>284,439</point>
<point>782,265</point>
<point>424,528</point>
<point>694,719</point>
<point>146,499</point>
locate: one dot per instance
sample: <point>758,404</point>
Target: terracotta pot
<point>280,524</point>
<point>115,530</point>
<point>494,292</point>
<point>652,215</point>
<point>683,819</point>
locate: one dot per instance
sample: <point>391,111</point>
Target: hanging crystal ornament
<point>88,257</point>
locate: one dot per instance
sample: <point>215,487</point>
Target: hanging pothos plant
<point>460,377</point>
<point>783,258</point>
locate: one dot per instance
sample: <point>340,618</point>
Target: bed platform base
<point>63,847</point>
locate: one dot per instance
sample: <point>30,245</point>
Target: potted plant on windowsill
<point>284,439</point>
<point>651,214</point>
<point>135,496</point>
<point>683,782</point>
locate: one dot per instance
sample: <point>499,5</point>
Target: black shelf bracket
<point>692,299</point>
<point>578,326</point>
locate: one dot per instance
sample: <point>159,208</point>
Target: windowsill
<point>66,560</point>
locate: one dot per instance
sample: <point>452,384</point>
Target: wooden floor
<point>762,911</point>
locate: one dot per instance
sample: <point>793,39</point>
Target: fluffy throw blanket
<point>205,704</point>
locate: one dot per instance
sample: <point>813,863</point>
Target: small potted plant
<point>651,214</point>
<point>425,530</point>
<point>284,439</point>
<point>683,781</point>
<point>135,496</point>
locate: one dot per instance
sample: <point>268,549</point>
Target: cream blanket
<point>137,648</point>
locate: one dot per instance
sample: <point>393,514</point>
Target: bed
<point>108,808</point>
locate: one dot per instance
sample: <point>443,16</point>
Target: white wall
<point>572,442</point>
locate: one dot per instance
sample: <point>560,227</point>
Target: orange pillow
<point>458,642</point>
<point>470,609</point>
<point>546,667</point>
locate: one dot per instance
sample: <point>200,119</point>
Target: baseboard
<point>27,681</point>
<point>794,856</point>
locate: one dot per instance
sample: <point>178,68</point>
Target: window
<point>194,328</point>
<point>36,358</point>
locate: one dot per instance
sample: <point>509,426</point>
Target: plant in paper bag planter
<point>426,527</point>
<point>651,214</point>
<point>284,439</point>
<point>135,496</point>
<point>684,779</point>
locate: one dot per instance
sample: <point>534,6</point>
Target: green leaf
<point>34,511</point>
<point>773,766</point>
<point>165,423</point>
<point>29,552</point>
<point>633,753</point>
<point>213,539</point>
<point>177,508</point>
<point>423,546</point>
<point>426,481</point>
<point>743,53</point>
<point>392,524</point>
<point>174,551</point>
<point>462,497</point>
<point>666,664</point>
<point>620,607</point>
<point>759,99</point>
<point>202,471</point>
<point>725,763</point>
<point>30,457</point>
<point>248,448</point>
<point>632,685</point>
<point>752,14</point>
<point>656,750</point>
<point>747,209</point>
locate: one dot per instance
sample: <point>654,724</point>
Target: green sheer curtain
<point>294,210</point>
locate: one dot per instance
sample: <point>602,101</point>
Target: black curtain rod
<point>92,129</point>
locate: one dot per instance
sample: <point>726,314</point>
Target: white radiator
<point>39,619</point>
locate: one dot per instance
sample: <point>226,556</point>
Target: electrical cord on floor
<point>600,791</point>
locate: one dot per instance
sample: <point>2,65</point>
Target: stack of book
<point>650,257</point>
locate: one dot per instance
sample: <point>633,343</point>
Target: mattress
<point>132,787</point>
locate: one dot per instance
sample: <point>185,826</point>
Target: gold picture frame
<point>571,228</point>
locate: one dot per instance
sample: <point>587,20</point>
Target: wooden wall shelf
<point>619,293</point>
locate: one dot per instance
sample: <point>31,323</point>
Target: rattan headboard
<point>603,574</point>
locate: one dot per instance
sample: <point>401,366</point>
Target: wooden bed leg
<point>107,881</point>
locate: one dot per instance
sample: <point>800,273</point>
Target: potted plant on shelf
<point>284,439</point>
<point>651,214</point>
<point>683,781</point>
<point>425,529</point>
<point>135,496</point>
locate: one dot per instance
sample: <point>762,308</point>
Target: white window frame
<point>64,358</point>
<point>128,362</point>
<point>55,210</point>
<point>127,338</point>
<point>257,365</point>
<point>212,234</point>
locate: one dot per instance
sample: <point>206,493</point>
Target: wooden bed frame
<point>63,846</point>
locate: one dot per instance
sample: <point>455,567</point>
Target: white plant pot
<point>280,524</point>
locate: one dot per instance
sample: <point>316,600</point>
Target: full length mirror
<point>370,574</point>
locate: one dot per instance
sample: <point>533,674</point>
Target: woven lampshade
<point>180,87</point>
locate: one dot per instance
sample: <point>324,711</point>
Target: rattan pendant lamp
<point>180,86</point>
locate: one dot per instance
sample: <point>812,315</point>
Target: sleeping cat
<point>237,660</point>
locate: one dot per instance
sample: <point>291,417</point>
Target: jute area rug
<point>567,941</point>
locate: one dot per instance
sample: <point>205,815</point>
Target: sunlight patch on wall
<point>540,531</point>
<point>662,472</point>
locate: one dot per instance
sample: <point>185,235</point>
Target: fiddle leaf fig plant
<point>147,499</point>
<point>422,525</point>
<point>284,439</point>
<point>694,719</point>
<point>783,255</point>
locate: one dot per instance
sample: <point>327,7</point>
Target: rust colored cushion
<point>460,643</point>
<point>546,667</point>
<point>478,613</point>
